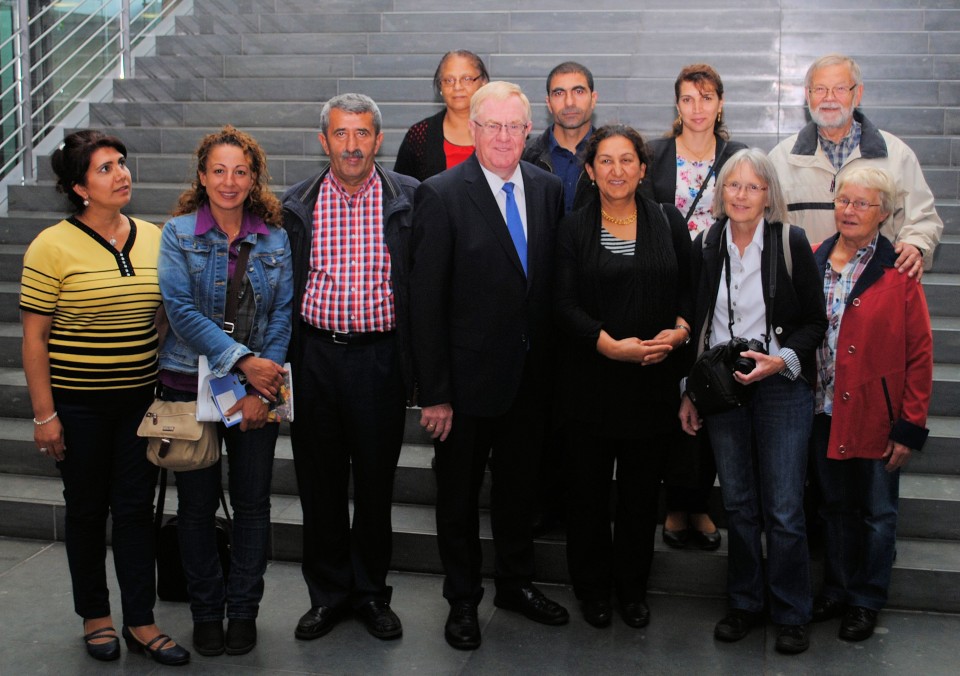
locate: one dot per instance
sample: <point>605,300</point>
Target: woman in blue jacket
<point>228,207</point>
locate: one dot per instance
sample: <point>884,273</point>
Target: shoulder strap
<point>236,285</point>
<point>787,251</point>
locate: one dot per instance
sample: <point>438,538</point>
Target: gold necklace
<point>619,221</point>
<point>711,147</point>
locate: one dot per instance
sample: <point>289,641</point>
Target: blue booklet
<point>227,391</point>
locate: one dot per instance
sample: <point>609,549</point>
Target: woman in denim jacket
<point>229,204</point>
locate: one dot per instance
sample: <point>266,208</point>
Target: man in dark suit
<point>480,298</point>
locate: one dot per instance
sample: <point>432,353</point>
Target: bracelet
<point>45,420</point>
<point>263,399</point>
<point>684,327</point>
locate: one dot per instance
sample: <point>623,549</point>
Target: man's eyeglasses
<point>858,205</point>
<point>493,128</point>
<point>465,80</point>
<point>752,188</point>
<point>839,92</point>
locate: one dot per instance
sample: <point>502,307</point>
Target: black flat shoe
<point>379,619</point>
<point>172,656</point>
<point>317,622</point>
<point>706,542</point>
<point>462,629</point>
<point>635,614</point>
<point>533,604</point>
<point>674,538</point>
<point>241,636</point>
<point>857,624</point>
<point>736,625</point>
<point>792,639</point>
<point>105,652</point>
<point>208,638</point>
<point>597,613</point>
<point>826,608</point>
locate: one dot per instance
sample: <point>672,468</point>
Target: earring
<point>719,115</point>
<point>678,122</point>
<point>86,203</point>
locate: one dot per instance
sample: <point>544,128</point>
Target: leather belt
<point>341,338</point>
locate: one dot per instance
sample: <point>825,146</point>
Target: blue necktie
<point>515,225</point>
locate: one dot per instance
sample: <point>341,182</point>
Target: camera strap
<point>726,275</point>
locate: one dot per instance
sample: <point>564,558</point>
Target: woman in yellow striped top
<point>89,297</point>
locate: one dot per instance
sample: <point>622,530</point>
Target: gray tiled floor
<point>41,635</point>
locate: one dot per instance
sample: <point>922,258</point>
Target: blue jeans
<point>763,493</point>
<point>859,509</point>
<point>105,471</point>
<point>250,469</point>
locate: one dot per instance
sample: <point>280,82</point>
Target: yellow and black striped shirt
<point>103,304</point>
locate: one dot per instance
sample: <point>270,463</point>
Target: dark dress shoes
<point>317,622</point>
<point>208,638</point>
<point>531,602</point>
<point>792,639</point>
<point>706,542</point>
<point>857,624</point>
<point>107,651</point>
<point>635,613</point>
<point>462,630</point>
<point>735,625</point>
<point>161,648</point>
<point>675,538</point>
<point>597,613</point>
<point>379,619</point>
<point>826,608</point>
<point>241,636</point>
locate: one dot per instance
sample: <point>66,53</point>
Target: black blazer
<point>476,320</point>
<point>661,182</point>
<point>796,312</point>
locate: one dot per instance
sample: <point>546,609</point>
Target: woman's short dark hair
<point>701,75</point>
<point>71,160</point>
<point>610,131</point>
<point>261,201</point>
<point>466,54</point>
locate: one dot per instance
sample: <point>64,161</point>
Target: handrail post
<point>25,89</point>
<point>126,61</point>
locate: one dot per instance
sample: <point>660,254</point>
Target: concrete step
<point>942,292</point>
<point>947,256</point>
<point>946,339</point>
<point>926,573</point>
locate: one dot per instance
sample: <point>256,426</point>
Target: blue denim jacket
<point>193,280</point>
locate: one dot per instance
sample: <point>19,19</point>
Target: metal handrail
<point>82,43</point>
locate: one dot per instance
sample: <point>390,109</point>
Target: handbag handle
<point>161,497</point>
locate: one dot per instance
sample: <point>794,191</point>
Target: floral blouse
<point>689,177</point>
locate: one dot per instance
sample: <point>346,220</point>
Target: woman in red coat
<point>874,378</point>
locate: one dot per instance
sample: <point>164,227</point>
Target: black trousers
<point>602,561</point>
<point>513,441</point>
<point>350,407</point>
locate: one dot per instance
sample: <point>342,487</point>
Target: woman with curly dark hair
<point>228,214</point>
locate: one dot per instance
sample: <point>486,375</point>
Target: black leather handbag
<point>171,582</point>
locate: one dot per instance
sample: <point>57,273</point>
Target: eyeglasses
<point>752,188</point>
<point>465,80</point>
<point>858,205</point>
<point>839,92</point>
<point>493,128</point>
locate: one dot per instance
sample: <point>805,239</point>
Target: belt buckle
<point>229,330</point>
<point>335,335</point>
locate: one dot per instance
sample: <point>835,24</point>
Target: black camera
<point>738,362</point>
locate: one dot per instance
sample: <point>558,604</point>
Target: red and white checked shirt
<point>348,285</point>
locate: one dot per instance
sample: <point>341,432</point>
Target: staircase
<point>267,66</point>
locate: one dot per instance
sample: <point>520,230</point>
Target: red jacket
<point>884,360</point>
